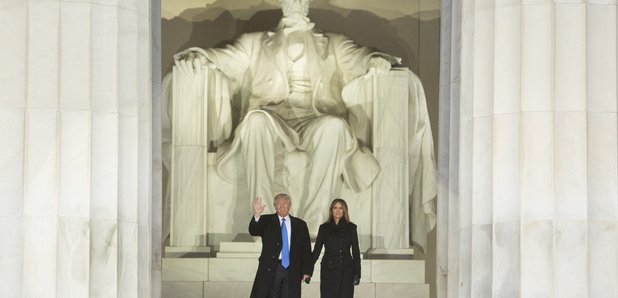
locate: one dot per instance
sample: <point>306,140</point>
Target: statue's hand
<point>378,65</point>
<point>192,60</point>
<point>258,206</point>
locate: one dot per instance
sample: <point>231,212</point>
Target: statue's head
<point>295,8</point>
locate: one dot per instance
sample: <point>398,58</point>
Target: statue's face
<point>292,8</point>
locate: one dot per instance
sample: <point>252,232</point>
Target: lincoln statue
<point>291,81</point>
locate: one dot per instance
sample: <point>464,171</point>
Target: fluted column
<point>75,162</point>
<point>534,211</point>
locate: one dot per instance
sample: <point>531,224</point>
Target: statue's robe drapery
<point>255,65</point>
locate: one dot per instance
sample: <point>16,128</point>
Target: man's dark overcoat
<point>269,229</point>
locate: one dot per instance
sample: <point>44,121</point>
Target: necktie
<point>285,250</point>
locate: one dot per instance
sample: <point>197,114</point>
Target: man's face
<point>282,205</point>
<point>299,8</point>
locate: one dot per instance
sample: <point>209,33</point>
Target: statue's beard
<point>294,9</point>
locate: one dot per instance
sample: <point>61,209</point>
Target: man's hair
<point>281,196</point>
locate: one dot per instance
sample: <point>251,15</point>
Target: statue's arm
<point>356,60</point>
<point>225,70</point>
<point>232,60</point>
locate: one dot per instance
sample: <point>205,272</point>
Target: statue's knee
<point>255,125</point>
<point>334,125</point>
<point>256,120</point>
<point>254,128</point>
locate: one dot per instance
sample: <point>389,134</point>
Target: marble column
<point>529,196</point>
<point>76,148</point>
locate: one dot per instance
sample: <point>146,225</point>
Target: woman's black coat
<point>339,268</point>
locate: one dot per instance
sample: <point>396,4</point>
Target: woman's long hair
<point>346,216</point>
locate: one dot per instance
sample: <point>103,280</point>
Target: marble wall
<point>528,153</point>
<point>76,148</point>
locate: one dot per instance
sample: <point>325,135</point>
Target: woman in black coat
<point>340,269</point>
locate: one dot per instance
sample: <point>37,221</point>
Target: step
<point>187,251</point>
<point>172,289</point>
<point>243,247</point>
<point>238,255</point>
<point>243,269</point>
<point>391,253</point>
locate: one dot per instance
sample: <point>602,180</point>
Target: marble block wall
<point>528,149</point>
<point>76,148</point>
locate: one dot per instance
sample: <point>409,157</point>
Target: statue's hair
<point>282,196</point>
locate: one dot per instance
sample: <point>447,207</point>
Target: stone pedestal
<point>231,274</point>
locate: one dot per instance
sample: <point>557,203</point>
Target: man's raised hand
<point>258,206</point>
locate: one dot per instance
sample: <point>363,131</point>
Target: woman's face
<point>337,211</point>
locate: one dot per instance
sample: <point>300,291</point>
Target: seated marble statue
<point>291,82</point>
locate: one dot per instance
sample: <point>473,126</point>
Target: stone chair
<point>387,112</point>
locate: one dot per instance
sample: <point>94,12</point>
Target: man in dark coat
<point>283,263</point>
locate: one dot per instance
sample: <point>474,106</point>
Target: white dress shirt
<point>288,226</point>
